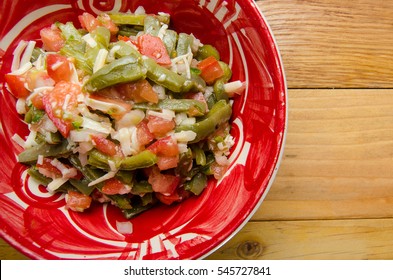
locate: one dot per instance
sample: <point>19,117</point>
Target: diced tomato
<point>38,78</point>
<point>50,170</point>
<point>60,113</point>
<point>153,47</point>
<point>210,69</point>
<point>168,199</point>
<point>110,93</point>
<point>37,100</point>
<point>104,145</point>
<point>160,126</point>
<point>179,195</point>
<point>165,163</point>
<point>163,183</point>
<point>16,84</point>
<point>166,147</point>
<point>52,39</point>
<point>77,201</point>
<point>123,38</point>
<point>139,91</point>
<point>107,22</point>
<point>143,133</point>
<point>59,67</point>
<point>88,22</point>
<point>115,186</point>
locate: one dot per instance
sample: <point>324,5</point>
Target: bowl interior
<point>37,224</point>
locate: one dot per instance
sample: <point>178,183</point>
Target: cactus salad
<point>123,110</point>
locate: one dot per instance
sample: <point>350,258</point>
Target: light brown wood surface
<point>333,195</point>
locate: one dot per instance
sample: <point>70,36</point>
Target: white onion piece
<point>124,227</point>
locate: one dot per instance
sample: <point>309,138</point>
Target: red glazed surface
<point>37,224</point>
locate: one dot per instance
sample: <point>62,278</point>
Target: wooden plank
<point>308,240</point>
<point>338,159</point>
<point>333,43</point>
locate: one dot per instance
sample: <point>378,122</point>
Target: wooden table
<point>333,196</point>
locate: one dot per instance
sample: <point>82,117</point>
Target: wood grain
<point>333,195</point>
<point>309,240</point>
<point>333,43</point>
<point>338,160</point>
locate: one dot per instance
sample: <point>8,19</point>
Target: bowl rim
<point>283,139</point>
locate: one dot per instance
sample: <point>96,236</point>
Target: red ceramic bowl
<point>37,224</point>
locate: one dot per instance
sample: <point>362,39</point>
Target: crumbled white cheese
<point>106,107</point>
<point>183,148</point>
<point>30,141</point>
<point>17,54</point>
<point>21,106</point>
<point>39,63</point>
<point>56,65</point>
<point>163,14</point>
<point>220,146</point>
<point>162,31</point>
<point>112,53</point>
<point>107,176</point>
<point>196,44</point>
<point>165,114</point>
<point>181,64</point>
<point>100,60</point>
<point>40,159</point>
<point>112,165</point>
<point>27,53</point>
<point>100,127</point>
<point>234,87</point>
<point>134,140</point>
<point>229,141</point>
<point>38,90</point>
<point>66,102</point>
<point>89,40</point>
<point>74,77</point>
<point>82,108</point>
<point>18,140</point>
<point>23,69</point>
<point>124,135</point>
<point>56,183</point>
